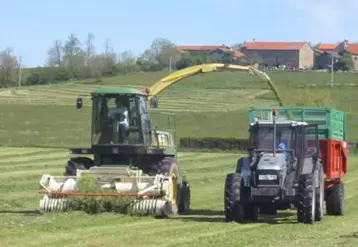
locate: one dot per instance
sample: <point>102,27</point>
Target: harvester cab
<point>282,169</point>
<point>130,157</point>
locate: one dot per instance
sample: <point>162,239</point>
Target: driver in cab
<point>123,112</point>
<point>280,145</point>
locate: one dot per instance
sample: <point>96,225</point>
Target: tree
<point>74,56</point>
<point>346,63</point>
<point>90,49</point>
<point>8,64</point>
<point>55,54</point>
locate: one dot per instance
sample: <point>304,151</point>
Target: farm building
<point>323,52</point>
<point>275,54</point>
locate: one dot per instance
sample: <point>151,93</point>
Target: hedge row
<point>213,143</point>
<point>222,143</point>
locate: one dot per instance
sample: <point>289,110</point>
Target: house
<point>275,54</point>
<point>324,53</point>
<point>326,49</point>
<point>211,49</point>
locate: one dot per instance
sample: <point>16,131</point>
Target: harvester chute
<point>179,75</point>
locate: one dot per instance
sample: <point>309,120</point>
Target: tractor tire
<point>233,205</point>
<point>184,205</point>
<point>81,163</point>
<point>320,194</point>
<point>335,200</point>
<point>252,211</point>
<point>268,209</point>
<point>167,166</point>
<point>307,199</point>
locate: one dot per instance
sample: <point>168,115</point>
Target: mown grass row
<point>204,226</point>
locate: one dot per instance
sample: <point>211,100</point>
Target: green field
<point>213,104</point>
<point>21,226</point>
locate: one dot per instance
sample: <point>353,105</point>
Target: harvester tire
<point>320,194</point>
<point>81,163</point>
<point>307,199</point>
<point>184,205</point>
<point>233,205</point>
<point>167,166</point>
<point>335,200</point>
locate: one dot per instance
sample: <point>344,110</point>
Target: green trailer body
<point>331,122</point>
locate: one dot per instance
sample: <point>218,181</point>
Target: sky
<point>31,27</point>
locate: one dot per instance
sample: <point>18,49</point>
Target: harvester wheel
<point>307,199</point>
<point>81,163</point>
<point>335,200</point>
<point>234,206</point>
<point>184,205</point>
<point>320,195</point>
<point>168,167</point>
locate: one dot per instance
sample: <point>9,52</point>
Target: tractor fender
<point>245,168</point>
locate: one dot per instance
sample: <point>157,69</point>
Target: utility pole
<point>332,64</point>
<point>20,71</point>
<point>170,64</point>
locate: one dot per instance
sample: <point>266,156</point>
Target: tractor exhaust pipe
<point>274,113</point>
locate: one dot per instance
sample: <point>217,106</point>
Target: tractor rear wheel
<point>320,194</point>
<point>307,199</point>
<point>80,163</point>
<point>233,205</point>
<point>335,200</point>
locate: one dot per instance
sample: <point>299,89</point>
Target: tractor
<point>283,168</point>
<point>131,157</point>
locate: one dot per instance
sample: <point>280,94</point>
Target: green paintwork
<point>331,122</point>
<point>117,90</point>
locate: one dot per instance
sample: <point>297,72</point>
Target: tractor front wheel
<point>80,163</point>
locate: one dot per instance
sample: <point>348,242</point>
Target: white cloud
<point>327,21</point>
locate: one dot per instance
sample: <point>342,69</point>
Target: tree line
<point>73,59</point>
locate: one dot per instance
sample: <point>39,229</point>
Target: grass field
<point>213,104</point>
<point>20,225</point>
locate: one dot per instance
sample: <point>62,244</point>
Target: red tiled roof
<point>352,49</point>
<point>324,47</point>
<point>273,45</point>
<point>236,53</point>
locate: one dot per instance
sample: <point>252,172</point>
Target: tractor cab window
<point>113,117</point>
<point>265,137</point>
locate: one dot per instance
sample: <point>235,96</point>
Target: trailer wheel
<point>335,200</point>
<point>307,199</point>
<point>184,205</point>
<point>233,205</point>
<point>81,163</point>
<point>320,195</point>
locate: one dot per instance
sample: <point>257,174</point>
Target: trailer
<point>333,145</point>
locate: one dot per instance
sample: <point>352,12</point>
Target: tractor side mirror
<point>79,103</point>
<point>154,102</point>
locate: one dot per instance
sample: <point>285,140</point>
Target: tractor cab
<point>283,144</point>
<point>120,117</point>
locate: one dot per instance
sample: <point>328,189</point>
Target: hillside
<point>213,104</point>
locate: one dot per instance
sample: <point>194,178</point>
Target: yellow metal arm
<point>204,68</point>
